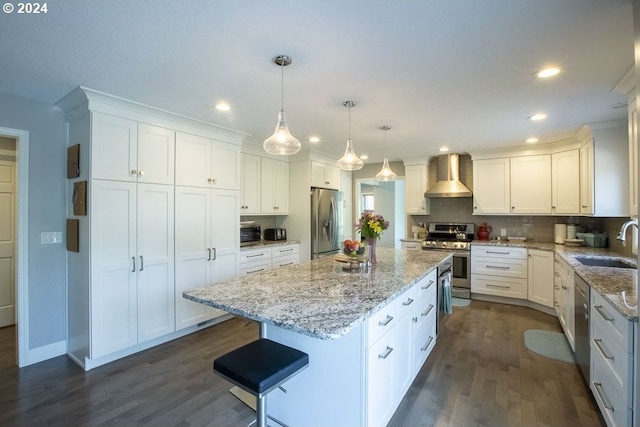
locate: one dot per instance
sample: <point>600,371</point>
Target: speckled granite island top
<point>617,285</point>
<point>319,298</point>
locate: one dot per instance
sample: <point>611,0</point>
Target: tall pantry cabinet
<point>121,285</point>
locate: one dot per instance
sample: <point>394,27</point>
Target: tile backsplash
<point>536,228</point>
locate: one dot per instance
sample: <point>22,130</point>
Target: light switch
<point>49,237</point>
<point>503,231</point>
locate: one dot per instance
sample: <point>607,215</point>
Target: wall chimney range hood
<point>449,184</point>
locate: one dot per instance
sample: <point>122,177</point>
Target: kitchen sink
<point>605,262</point>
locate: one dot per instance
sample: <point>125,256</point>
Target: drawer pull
<point>604,315</point>
<point>428,285</point>
<point>498,286</point>
<point>256,255</point>
<point>598,343</point>
<point>427,311</point>
<point>603,397</point>
<point>497,267</point>
<point>286,250</point>
<point>498,252</point>
<point>407,302</point>
<point>386,353</point>
<point>255,271</point>
<point>386,321</point>
<point>426,346</point>
<point>286,263</point>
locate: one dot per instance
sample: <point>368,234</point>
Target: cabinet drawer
<point>284,261</point>
<point>612,407</point>
<point>253,255</point>
<point>615,323</point>
<point>504,267</point>
<point>411,245</point>
<point>499,252</point>
<point>424,340</point>
<point>426,286</point>
<point>499,286</point>
<point>285,250</point>
<point>382,321</point>
<point>610,353</point>
<point>255,267</point>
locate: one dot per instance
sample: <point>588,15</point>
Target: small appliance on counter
<point>275,234</point>
<point>560,233</point>
<point>249,234</point>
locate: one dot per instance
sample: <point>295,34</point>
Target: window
<point>367,202</point>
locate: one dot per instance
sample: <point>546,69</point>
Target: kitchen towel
<point>560,233</point>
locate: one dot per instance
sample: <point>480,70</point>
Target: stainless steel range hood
<point>449,184</point>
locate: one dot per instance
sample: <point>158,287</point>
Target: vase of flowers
<point>371,227</point>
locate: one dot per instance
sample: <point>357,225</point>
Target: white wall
<point>46,192</point>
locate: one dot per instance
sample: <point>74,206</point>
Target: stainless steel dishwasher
<point>581,317</point>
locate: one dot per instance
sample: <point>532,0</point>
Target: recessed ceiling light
<point>531,140</point>
<point>364,157</point>
<point>548,72</point>
<point>314,139</point>
<point>538,116</point>
<point>223,106</point>
<point>443,149</point>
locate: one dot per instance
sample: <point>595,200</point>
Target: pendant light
<point>281,142</point>
<point>350,161</point>
<point>386,174</point>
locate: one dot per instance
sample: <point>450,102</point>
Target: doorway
<point>8,233</point>
<point>386,199</point>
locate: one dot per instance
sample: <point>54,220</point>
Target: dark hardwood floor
<point>480,374</point>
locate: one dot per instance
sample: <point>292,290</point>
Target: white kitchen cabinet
<point>415,184</point>
<point>132,287</point>
<point>565,182</point>
<point>382,359</point>
<point>256,260</point>
<point>206,163</point>
<point>540,277</point>
<point>612,362</point>
<point>491,190</point>
<point>275,187</point>
<point>324,175</point>
<point>207,246</point>
<point>499,271</point>
<point>565,282</point>
<point>124,150</point>
<point>250,185</point>
<point>604,175</point>
<point>284,255</point>
<point>531,184</point>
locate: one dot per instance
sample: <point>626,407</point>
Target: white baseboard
<point>40,354</point>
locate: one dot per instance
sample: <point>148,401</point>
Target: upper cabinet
<point>416,182</point>
<point>604,173</point>
<point>491,194</point>
<point>124,150</point>
<point>531,184</point>
<point>203,162</point>
<point>250,185</point>
<point>565,182</point>
<point>324,175</point>
<point>275,187</point>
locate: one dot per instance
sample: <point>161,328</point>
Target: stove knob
<point>444,244</point>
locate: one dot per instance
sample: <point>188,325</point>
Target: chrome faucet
<point>623,230</point>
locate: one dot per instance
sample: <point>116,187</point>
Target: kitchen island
<point>367,331</point>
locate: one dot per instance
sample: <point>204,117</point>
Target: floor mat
<point>548,344</point>
<point>460,302</point>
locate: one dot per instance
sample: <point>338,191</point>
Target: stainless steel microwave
<point>250,234</point>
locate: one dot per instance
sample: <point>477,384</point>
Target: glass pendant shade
<point>281,142</point>
<point>350,161</point>
<point>386,174</point>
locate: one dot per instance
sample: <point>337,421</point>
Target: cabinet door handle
<point>427,311</point>
<point>141,263</point>
<point>133,270</point>
<point>426,346</point>
<point>498,286</point>
<point>386,321</point>
<point>604,399</point>
<point>407,302</point>
<point>415,319</point>
<point>386,353</point>
<point>134,172</point>
<point>208,254</point>
<point>140,172</point>
<point>428,285</point>
<point>598,343</point>
<point>604,315</point>
<point>497,267</point>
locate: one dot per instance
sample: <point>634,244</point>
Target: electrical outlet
<point>50,237</point>
<point>503,232</point>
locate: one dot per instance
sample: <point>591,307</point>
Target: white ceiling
<point>457,73</point>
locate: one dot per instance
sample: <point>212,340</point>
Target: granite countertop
<point>264,243</point>
<point>320,298</point>
<point>619,286</point>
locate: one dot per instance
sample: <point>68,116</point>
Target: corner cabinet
<point>124,282</point>
<point>416,181</point>
<point>491,191</point>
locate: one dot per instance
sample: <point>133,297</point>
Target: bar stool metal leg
<point>261,410</point>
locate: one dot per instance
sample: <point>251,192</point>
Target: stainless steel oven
<point>461,273</point>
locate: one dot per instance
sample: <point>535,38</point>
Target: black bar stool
<point>259,367</point>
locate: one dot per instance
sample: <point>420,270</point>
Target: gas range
<point>449,236</point>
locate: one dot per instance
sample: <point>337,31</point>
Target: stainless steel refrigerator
<point>326,222</point>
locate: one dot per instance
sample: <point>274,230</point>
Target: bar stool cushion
<point>261,365</point>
